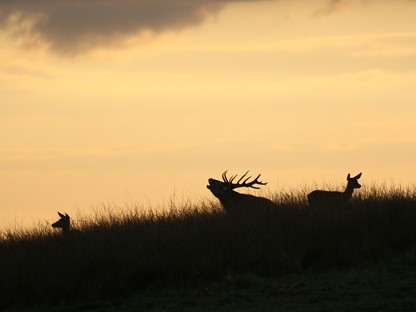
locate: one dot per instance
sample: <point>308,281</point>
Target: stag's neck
<point>229,197</point>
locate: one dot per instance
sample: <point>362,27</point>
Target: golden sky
<point>134,101</point>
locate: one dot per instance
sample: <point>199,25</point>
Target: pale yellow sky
<point>114,112</point>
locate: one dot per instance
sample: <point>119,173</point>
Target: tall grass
<point>123,250</point>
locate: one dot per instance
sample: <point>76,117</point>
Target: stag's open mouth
<point>209,183</point>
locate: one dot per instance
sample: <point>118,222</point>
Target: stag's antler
<point>251,184</point>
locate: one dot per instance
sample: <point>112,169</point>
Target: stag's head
<point>63,223</point>
<point>227,185</point>
<point>238,204</point>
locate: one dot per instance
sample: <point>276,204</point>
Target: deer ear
<point>348,176</point>
<point>358,175</point>
<point>61,215</point>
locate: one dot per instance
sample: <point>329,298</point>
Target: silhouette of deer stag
<point>236,203</point>
<point>64,223</point>
<point>319,197</point>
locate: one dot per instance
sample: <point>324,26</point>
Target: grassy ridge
<point>120,252</point>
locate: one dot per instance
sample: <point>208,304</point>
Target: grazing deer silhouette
<point>234,202</point>
<point>319,197</point>
<point>64,223</point>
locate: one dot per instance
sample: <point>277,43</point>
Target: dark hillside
<point>117,254</point>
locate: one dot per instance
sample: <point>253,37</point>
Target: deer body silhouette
<point>235,203</point>
<point>64,223</point>
<point>319,197</point>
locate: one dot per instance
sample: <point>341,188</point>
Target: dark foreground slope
<point>120,255</point>
<point>387,286</point>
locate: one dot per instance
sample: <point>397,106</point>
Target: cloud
<point>14,70</point>
<point>342,6</point>
<point>335,6</point>
<point>71,27</point>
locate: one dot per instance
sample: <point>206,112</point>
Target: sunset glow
<point>138,101</point>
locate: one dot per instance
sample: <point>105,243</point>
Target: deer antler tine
<point>244,181</point>
<point>256,181</point>
<point>243,177</point>
<point>224,176</point>
<point>232,178</point>
<point>259,182</point>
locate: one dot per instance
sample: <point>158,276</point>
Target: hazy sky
<point>134,101</point>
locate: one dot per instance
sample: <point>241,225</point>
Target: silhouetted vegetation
<point>122,251</point>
